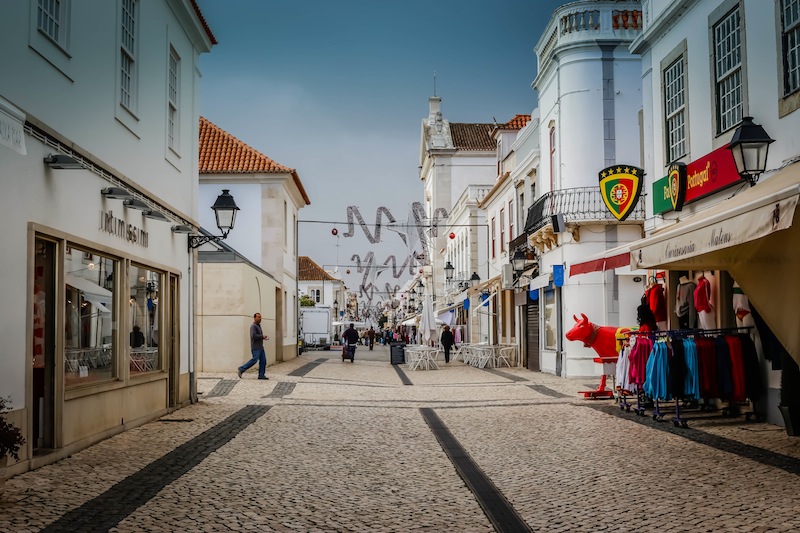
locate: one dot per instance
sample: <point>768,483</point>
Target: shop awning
<point>752,214</point>
<point>608,260</point>
<point>753,237</point>
<point>100,307</point>
<point>91,290</point>
<point>542,280</point>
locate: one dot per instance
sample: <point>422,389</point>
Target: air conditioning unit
<point>507,276</point>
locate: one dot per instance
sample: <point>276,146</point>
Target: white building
<point>458,166</point>
<point>321,287</point>
<point>97,104</point>
<point>269,196</point>
<point>706,65</point>
<point>590,107</point>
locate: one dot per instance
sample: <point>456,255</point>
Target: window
<point>511,219</point>
<point>128,44</point>
<point>144,325</point>
<point>552,158</point>
<point>502,230</point>
<point>493,238</point>
<point>315,295</point>
<point>675,109</point>
<point>728,71</point>
<point>90,317</point>
<point>51,16</point>
<point>172,100</point>
<point>790,11</point>
<point>550,319</point>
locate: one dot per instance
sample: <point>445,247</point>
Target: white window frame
<point>790,45</point>
<point>728,76</point>
<point>52,21</point>
<point>675,109</point>
<point>173,100</point>
<point>128,44</point>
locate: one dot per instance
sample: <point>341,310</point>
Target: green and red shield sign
<point>620,187</point>
<point>677,181</point>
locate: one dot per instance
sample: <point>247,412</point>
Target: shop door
<point>43,346</point>
<point>532,336</point>
<point>173,357</point>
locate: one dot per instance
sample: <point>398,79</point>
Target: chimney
<point>435,107</point>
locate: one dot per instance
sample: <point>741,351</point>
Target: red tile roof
<point>472,136</point>
<point>308,270</point>
<point>222,153</point>
<point>516,123</point>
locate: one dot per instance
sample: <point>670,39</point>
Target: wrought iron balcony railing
<point>581,204</point>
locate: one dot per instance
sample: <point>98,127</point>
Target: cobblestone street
<point>330,446</point>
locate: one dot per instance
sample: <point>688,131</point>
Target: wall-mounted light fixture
<point>449,269</point>
<point>116,193</point>
<point>750,146</point>
<point>155,215</point>
<point>182,228</point>
<point>134,203</point>
<point>61,161</point>
<point>225,212</point>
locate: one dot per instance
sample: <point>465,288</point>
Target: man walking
<point>371,337</point>
<point>257,339</point>
<point>447,342</point>
<point>350,337</point>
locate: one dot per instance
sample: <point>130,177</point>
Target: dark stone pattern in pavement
<point>107,510</point>
<point>497,508</point>
<point>403,376</point>
<point>308,367</point>
<point>223,388</point>
<point>283,388</point>
<point>547,391</point>
<point>766,457</point>
<point>506,375</point>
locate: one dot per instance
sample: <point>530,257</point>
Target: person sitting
<point>137,337</point>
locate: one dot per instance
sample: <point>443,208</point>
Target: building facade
<point>101,152</point>
<point>707,66</point>
<point>269,196</point>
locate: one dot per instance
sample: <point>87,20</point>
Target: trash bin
<point>397,353</point>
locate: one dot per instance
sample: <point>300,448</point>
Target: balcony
<point>581,205</point>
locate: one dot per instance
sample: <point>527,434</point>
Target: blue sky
<point>337,89</point>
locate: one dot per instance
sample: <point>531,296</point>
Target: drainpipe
<point>192,384</point>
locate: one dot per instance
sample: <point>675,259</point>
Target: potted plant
<point>10,436</point>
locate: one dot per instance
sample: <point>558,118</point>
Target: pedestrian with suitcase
<point>350,337</point>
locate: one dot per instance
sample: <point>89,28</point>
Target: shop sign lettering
<point>117,227</point>
<point>711,173</point>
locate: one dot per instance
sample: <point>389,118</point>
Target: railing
<point>581,204</point>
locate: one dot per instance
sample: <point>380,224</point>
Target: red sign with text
<point>710,173</point>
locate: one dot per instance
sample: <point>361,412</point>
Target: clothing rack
<point>658,414</point>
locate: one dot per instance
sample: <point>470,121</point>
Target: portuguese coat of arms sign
<point>620,187</point>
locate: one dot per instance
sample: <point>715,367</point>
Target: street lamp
<point>225,212</point>
<point>750,145</point>
<point>518,261</point>
<point>336,307</point>
<point>448,271</point>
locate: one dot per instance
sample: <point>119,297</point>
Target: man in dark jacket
<point>447,342</point>
<point>350,338</point>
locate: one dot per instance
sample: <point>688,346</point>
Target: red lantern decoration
<point>334,232</point>
<point>452,235</point>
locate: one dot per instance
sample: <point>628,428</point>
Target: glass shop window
<point>145,355</point>
<point>550,319</point>
<point>90,318</point>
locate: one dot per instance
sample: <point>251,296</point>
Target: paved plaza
<point>326,445</point>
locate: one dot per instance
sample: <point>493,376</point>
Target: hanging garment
<point>738,393</point>
<point>657,302</point>
<point>623,368</point>
<point>691,387</point>
<point>707,365</point>
<point>684,305</point>
<point>724,383</point>
<point>637,373</point>
<point>754,384</point>
<point>677,369</point>
<point>657,373</point>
